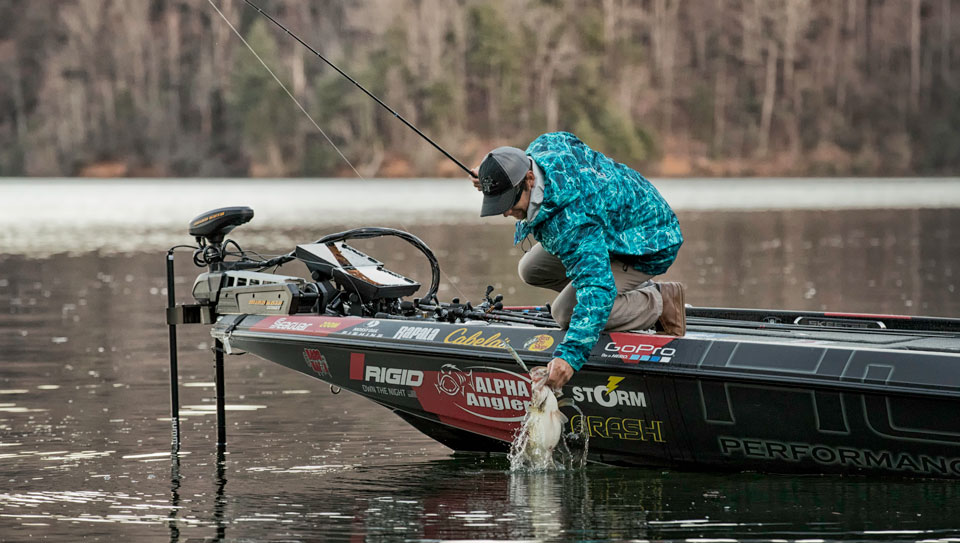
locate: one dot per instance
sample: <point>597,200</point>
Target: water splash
<point>533,448</point>
<point>576,443</point>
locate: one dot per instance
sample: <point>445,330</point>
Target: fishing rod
<point>304,110</point>
<point>361,87</point>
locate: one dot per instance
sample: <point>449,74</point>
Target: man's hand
<point>558,373</point>
<point>476,178</point>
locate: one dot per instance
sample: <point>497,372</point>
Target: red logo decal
<point>315,359</point>
<point>636,348</point>
<point>356,366</point>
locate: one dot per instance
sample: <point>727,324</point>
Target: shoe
<point>673,319</point>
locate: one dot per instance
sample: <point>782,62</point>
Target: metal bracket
<point>190,314</point>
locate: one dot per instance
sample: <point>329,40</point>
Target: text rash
<point>619,428</point>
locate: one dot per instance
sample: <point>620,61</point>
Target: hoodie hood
<point>554,200</point>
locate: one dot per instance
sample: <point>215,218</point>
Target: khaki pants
<point>637,306</point>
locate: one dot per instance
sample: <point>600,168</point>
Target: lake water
<point>84,399</point>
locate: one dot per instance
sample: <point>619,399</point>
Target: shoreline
<point>45,216</point>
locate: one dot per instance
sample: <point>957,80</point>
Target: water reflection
<point>538,496</point>
<point>220,498</point>
<point>85,428</point>
<point>174,494</point>
<point>602,504</point>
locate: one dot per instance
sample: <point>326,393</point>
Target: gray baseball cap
<point>501,174</point>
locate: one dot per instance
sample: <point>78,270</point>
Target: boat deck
<point>854,337</point>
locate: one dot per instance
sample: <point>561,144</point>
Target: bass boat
<point>744,389</point>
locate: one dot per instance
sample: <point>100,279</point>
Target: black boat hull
<point>786,403</point>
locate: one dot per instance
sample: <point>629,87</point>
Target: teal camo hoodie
<point>594,207</point>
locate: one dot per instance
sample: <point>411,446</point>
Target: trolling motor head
<point>214,225</point>
<point>210,228</point>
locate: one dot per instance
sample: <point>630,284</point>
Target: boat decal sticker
<point>636,348</point>
<point>828,455</point>
<point>610,395</point>
<point>540,342</point>
<point>477,339</point>
<point>356,366</point>
<point>451,381</point>
<point>495,396</point>
<point>420,333</point>
<point>317,362</point>
<point>268,304</point>
<point>619,428</point>
<point>378,379</point>
<point>370,328</point>
<point>307,326</point>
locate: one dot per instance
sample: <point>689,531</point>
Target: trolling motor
<point>229,287</point>
<point>345,280</point>
<point>210,228</point>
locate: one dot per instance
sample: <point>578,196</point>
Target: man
<point>603,232</point>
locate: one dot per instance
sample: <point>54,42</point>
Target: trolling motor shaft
<point>209,229</point>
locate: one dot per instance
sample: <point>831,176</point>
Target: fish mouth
<point>539,396</point>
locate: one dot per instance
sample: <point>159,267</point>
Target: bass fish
<point>543,425</point>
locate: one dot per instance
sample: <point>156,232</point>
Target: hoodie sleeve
<point>581,248</point>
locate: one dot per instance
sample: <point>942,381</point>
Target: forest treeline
<point>671,87</point>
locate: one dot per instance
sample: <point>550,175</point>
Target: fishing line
<point>516,357</point>
<point>284,87</point>
<point>361,87</point>
<point>310,117</point>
